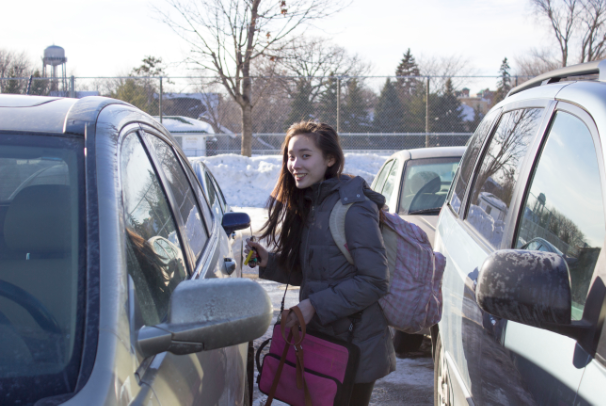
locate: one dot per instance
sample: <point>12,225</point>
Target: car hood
<point>427,222</point>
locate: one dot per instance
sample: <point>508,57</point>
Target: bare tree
<point>575,24</point>
<point>563,17</point>
<point>227,36</point>
<point>538,61</point>
<point>593,41</point>
<point>13,65</point>
<point>446,67</point>
<point>314,60</point>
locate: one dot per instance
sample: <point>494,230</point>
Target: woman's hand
<point>307,310</point>
<point>261,253</point>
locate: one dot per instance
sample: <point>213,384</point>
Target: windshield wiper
<point>434,210</point>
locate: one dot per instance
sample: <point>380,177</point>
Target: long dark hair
<point>287,208</point>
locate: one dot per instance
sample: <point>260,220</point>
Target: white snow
<point>181,124</point>
<point>247,182</point>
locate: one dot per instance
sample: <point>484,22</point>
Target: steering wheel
<point>35,308</point>
<point>427,187</point>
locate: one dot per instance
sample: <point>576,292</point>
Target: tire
<point>404,342</point>
<point>442,390</point>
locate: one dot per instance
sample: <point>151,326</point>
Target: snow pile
<point>247,182</point>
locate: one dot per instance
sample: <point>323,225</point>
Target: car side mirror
<point>533,288</point>
<point>206,314</point>
<point>235,221</point>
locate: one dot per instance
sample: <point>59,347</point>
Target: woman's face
<point>306,162</point>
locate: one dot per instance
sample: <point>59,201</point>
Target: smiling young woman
<point>305,254</point>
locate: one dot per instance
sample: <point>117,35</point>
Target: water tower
<point>54,56</point>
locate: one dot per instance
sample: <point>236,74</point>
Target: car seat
<point>38,233</point>
<point>424,187</point>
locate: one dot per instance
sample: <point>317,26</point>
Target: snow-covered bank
<point>249,181</point>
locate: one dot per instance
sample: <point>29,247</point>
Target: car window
<point>155,258</point>
<point>212,196</point>
<point>202,200</point>
<point>498,174</point>
<point>42,265</point>
<point>219,192</point>
<point>563,211</point>
<point>469,159</point>
<point>186,203</point>
<point>426,183</point>
<point>380,180</point>
<point>391,186</point>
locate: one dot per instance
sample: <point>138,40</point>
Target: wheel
<point>404,342</point>
<point>442,390</point>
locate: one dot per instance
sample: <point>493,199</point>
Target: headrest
<point>39,220</point>
<point>420,179</point>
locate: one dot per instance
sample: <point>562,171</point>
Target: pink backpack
<point>414,300</point>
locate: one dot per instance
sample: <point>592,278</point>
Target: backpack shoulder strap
<point>336,224</point>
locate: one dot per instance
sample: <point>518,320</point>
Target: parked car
<point>117,280</point>
<point>415,183</point>
<point>523,231</point>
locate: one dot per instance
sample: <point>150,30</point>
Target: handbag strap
<point>298,339</point>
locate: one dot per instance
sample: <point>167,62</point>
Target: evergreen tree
<point>328,103</point>
<point>355,117</point>
<point>301,107</point>
<point>388,113</point>
<point>39,86</point>
<point>407,86</point>
<point>13,86</point>
<point>448,113</point>
<point>477,118</point>
<point>504,82</point>
<point>412,94</point>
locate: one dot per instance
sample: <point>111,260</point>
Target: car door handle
<point>229,266</point>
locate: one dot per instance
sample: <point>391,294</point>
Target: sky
<point>110,37</point>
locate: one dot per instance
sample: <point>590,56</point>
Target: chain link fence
<point>371,114</point>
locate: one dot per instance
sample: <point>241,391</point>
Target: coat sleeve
<point>371,280</point>
<point>274,272</point>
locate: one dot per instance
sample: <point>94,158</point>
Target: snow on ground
<point>247,182</point>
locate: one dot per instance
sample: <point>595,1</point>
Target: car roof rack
<point>555,76</point>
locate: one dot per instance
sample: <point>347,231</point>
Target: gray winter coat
<point>338,289</point>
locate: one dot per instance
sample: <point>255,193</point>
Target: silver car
<point>117,279</point>
<point>415,183</point>
<point>523,232</point>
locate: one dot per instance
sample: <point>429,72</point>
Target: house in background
<point>483,99</point>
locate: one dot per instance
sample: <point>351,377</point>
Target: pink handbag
<point>304,369</point>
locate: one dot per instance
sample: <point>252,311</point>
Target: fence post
<point>427,113</point>
<point>338,104</point>
<point>29,84</point>
<point>72,92</point>
<point>161,96</point>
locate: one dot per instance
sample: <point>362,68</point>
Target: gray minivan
<point>118,285</point>
<point>523,233</point>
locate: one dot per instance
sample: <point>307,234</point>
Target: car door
<point>469,337</point>
<point>564,206</point>
<point>168,242</point>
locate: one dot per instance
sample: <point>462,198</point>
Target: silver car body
<point>488,360</point>
<point>119,374</point>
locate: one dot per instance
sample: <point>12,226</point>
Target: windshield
<point>41,265</point>
<point>426,184</point>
